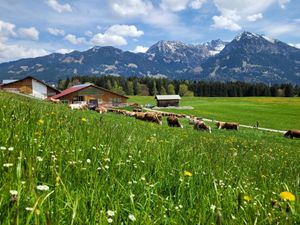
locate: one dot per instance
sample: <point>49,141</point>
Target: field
<point>60,166</point>
<point>276,113</point>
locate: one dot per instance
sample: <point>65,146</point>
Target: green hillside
<point>100,169</point>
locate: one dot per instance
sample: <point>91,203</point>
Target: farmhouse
<point>167,100</point>
<point>91,94</point>
<point>30,86</point>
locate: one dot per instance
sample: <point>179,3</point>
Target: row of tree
<point>152,86</point>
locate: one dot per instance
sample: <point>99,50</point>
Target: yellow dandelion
<point>187,174</point>
<point>287,196</point>
<point>247,198</point>
<point>41,122</point>
<point>83,119</point>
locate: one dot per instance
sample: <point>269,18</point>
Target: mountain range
<point>248,57</point>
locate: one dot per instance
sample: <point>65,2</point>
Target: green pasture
<point>112,169</point>
<point>276,113</point>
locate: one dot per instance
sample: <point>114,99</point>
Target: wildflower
<point>2,148</point>
<point>131,217</point>
<point>109,220</point>
<point>8,165</point>
<point>88,161</point>
<point>143,178</point>
<point>106,167</point>
<point>39,158</point>
<point>187,174</point>
<point>41,122</point>
<point>13,192</point>
<point>10,148</point>
<point>42,187</point>
<point>110,213</point>
<point>83,119</point>
<point>287,196</point>
<point>247,198</point>
<point>57,179</point>
<point>213,208</point>
<point>29,209</point>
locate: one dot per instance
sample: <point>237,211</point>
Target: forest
<point>150,86</point>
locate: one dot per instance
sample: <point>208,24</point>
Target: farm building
<point>91,94</point>
<point>167,100</point>
<point>30,86</point>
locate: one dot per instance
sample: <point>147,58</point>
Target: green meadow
<point>270,112</point>
<point>60,166</point>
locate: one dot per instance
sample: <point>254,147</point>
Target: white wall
<point>39,90</point>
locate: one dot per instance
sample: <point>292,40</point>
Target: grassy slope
<point>277,113</point>
<point>137,168</point>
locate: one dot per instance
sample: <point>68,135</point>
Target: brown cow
<point>200,125</point>
<point>139,115</point>
<point>152,117</point>
<point>173,121</point>
<point>292,133</point>
<point>101,109</point>
<point>228,126</point>
<point>53,100</point>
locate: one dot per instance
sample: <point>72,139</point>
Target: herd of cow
<point>172,119</point>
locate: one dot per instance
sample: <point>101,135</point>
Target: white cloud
<point>29,33</point>
<point>254,17</point>
<point>107,39</point>
<point>55,5</point>
<point>131,8</point>
<point>10,52</point>
<point>140,48</point>
<point>88,33</point>
<point>174,5</point>
<point>56,32</point>
<point>6,29</point>
<point>124,31</point>
<point>75,40</point>
<point>64,50</point>
<point>223,22</point>
<point>282,3</point>
<point>196,4</point>
<point>281,29</point>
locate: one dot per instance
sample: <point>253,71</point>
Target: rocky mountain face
<point>249,57</point>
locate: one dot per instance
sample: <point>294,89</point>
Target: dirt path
<point>241,125</point>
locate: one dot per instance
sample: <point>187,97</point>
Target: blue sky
<point>30,28</point>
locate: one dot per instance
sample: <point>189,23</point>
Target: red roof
<point>81,87</point>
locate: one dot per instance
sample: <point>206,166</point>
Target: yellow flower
<point>41,122</point>
<point>187,174</point>
<point>58,179</point>
<point>247,198</point>
<point>287,196</point>
<point>83,119</point>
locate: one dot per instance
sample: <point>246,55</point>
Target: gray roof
<point>167,97</point>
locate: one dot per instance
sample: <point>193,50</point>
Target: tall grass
<point>94,164</point>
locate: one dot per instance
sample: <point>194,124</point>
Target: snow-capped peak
<point>269,39</point>
<point>247,35</point>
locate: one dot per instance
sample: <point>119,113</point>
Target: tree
<point>171,89</point>
<point>118,89</point>
<point>163,91</point>
<point>289,91</point>
<point>144,90</point>
<point>154,89</point>
<point>129,88</point>
<point>137,88</point>
<point>183,88</point>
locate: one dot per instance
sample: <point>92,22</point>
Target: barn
<point>167,100</point>
<point>91,94</point>
<point>30,86</point>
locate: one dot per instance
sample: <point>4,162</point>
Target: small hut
<point>167,100</point>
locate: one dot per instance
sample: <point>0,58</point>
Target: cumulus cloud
<point>282,3</point>
<point>29,33</point>
<point>56,32</point>
<point>7,29</point>
<point>131,8</point>
<point>223,22</point>
<point>254,17</point>
<point>60,8</point>
<point>106,39</point>
<point>64,50</point>
<point>179,5</point>
<point>10,52</point>
<point>141,49</point>
<point>124,30</point>
<point>75,40</point>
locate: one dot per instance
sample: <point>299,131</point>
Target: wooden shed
<point>91,94</point>
<point>30,86</point>
<point>167,100</point>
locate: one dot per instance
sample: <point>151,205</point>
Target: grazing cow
<point>173,121</point>
<point>292,133</point>
<point>200,125</point>
<point>194,120</point>
<point>139,115</point>
<point>53,100</point>
<point>78,106</point>
<point>228,126</point>
<point>130,114</point>
<point>152,117</point>
<point>101,109</point>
